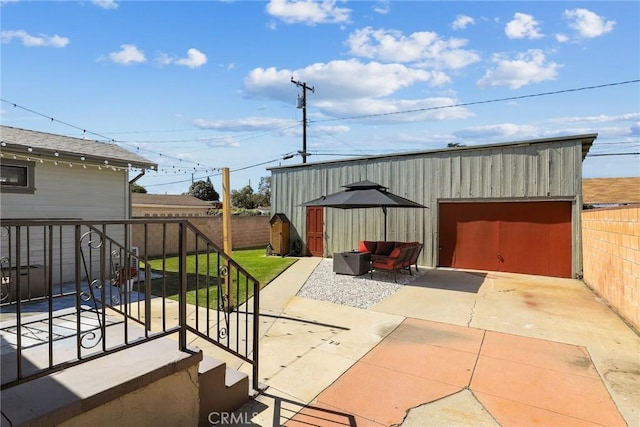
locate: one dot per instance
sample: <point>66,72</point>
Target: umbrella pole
<point>384,210</point>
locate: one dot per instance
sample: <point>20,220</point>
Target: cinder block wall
<point>247,232</point>
<point>611,248</point>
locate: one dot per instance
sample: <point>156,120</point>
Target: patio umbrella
<point>364,194</point>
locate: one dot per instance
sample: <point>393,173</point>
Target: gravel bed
<point>354,291</point>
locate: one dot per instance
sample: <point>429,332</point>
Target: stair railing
<point>85,275</point>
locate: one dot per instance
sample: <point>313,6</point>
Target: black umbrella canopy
<point>364,194</point>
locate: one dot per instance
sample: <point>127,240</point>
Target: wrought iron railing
<point>73,291</point>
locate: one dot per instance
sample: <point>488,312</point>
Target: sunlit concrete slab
<point>461,409</point>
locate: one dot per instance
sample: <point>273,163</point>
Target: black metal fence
<point>72,291</point>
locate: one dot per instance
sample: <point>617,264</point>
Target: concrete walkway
<point>451,348</point>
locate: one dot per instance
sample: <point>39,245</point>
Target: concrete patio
<point>451,348</point>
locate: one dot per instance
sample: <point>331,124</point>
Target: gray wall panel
<point>518,171</point>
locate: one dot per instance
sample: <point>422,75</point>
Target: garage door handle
<point>500,257</point>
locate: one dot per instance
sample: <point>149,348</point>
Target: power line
<point>84,131</point>
<point>114,141</point>
<point>489,101</point>
<point>612,154</point>
<point>286,156</point>
<point>304,152</point>
<point>220,138</point>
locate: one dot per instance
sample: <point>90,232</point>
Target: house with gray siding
<point>48,176</point>
<point>512,206</point>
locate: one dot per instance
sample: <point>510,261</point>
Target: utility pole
<point>302,103</point>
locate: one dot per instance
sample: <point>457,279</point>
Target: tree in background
<point>204,190</point>
<point>247,199</point>
<point>263,197</point>
<point>243,198</point>
<point>135,188</point>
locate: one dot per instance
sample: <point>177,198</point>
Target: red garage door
<point>519,237</point>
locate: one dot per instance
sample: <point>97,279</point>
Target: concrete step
<point>222,389</point>
<point>117,389</point>
<point>35,335</point>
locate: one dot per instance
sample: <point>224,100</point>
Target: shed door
<point>518,237</point>
<point>315,230</point>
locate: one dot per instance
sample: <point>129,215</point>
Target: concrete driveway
<point>451,348</point>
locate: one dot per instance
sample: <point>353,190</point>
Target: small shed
<point>280,226</point>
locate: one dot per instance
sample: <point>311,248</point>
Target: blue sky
<point>198,86</point>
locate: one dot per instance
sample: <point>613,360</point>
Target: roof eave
<point>587,142</point>
<point>74,157</point>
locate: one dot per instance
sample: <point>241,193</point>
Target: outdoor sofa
<point>391,256</point>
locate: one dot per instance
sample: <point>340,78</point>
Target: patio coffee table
<point>352,263</point>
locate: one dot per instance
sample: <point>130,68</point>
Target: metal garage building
<point>501,207</point>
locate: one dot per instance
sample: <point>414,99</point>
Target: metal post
<point>256,333</point>
<point>182,271</point>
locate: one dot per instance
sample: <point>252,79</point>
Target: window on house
<point>16,176</point>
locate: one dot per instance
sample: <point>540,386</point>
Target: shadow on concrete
<point>301,320</point>
<point>301,413</point>
<point>451,280</point>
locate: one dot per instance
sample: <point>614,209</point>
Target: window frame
<point>30,177</point>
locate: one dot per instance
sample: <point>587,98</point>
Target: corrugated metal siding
<point>542,170</point>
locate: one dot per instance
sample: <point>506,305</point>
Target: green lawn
<point>200,286</point>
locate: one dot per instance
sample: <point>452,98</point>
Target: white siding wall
<point>64,193</point>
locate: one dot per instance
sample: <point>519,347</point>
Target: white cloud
<point>40,40</point>
<point>527,68</point>
<point>383,7</point>
<point>338,79</point>
<point>308,11</point>
<point>426,46</point>
<point>587,23</point>
<point>194,59</point>
<point>163,59</point>
<point>503,130</point>
<point>396,110</point>
<point>128,54</point>
<point>351,88</point>
<point>462,21</point>
<point>244,124</point>
<point>562,38</point>
<point>602,118</point>
<point>106,4</point>
<point>522,26</point>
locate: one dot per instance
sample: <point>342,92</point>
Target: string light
<point>70,164</point>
